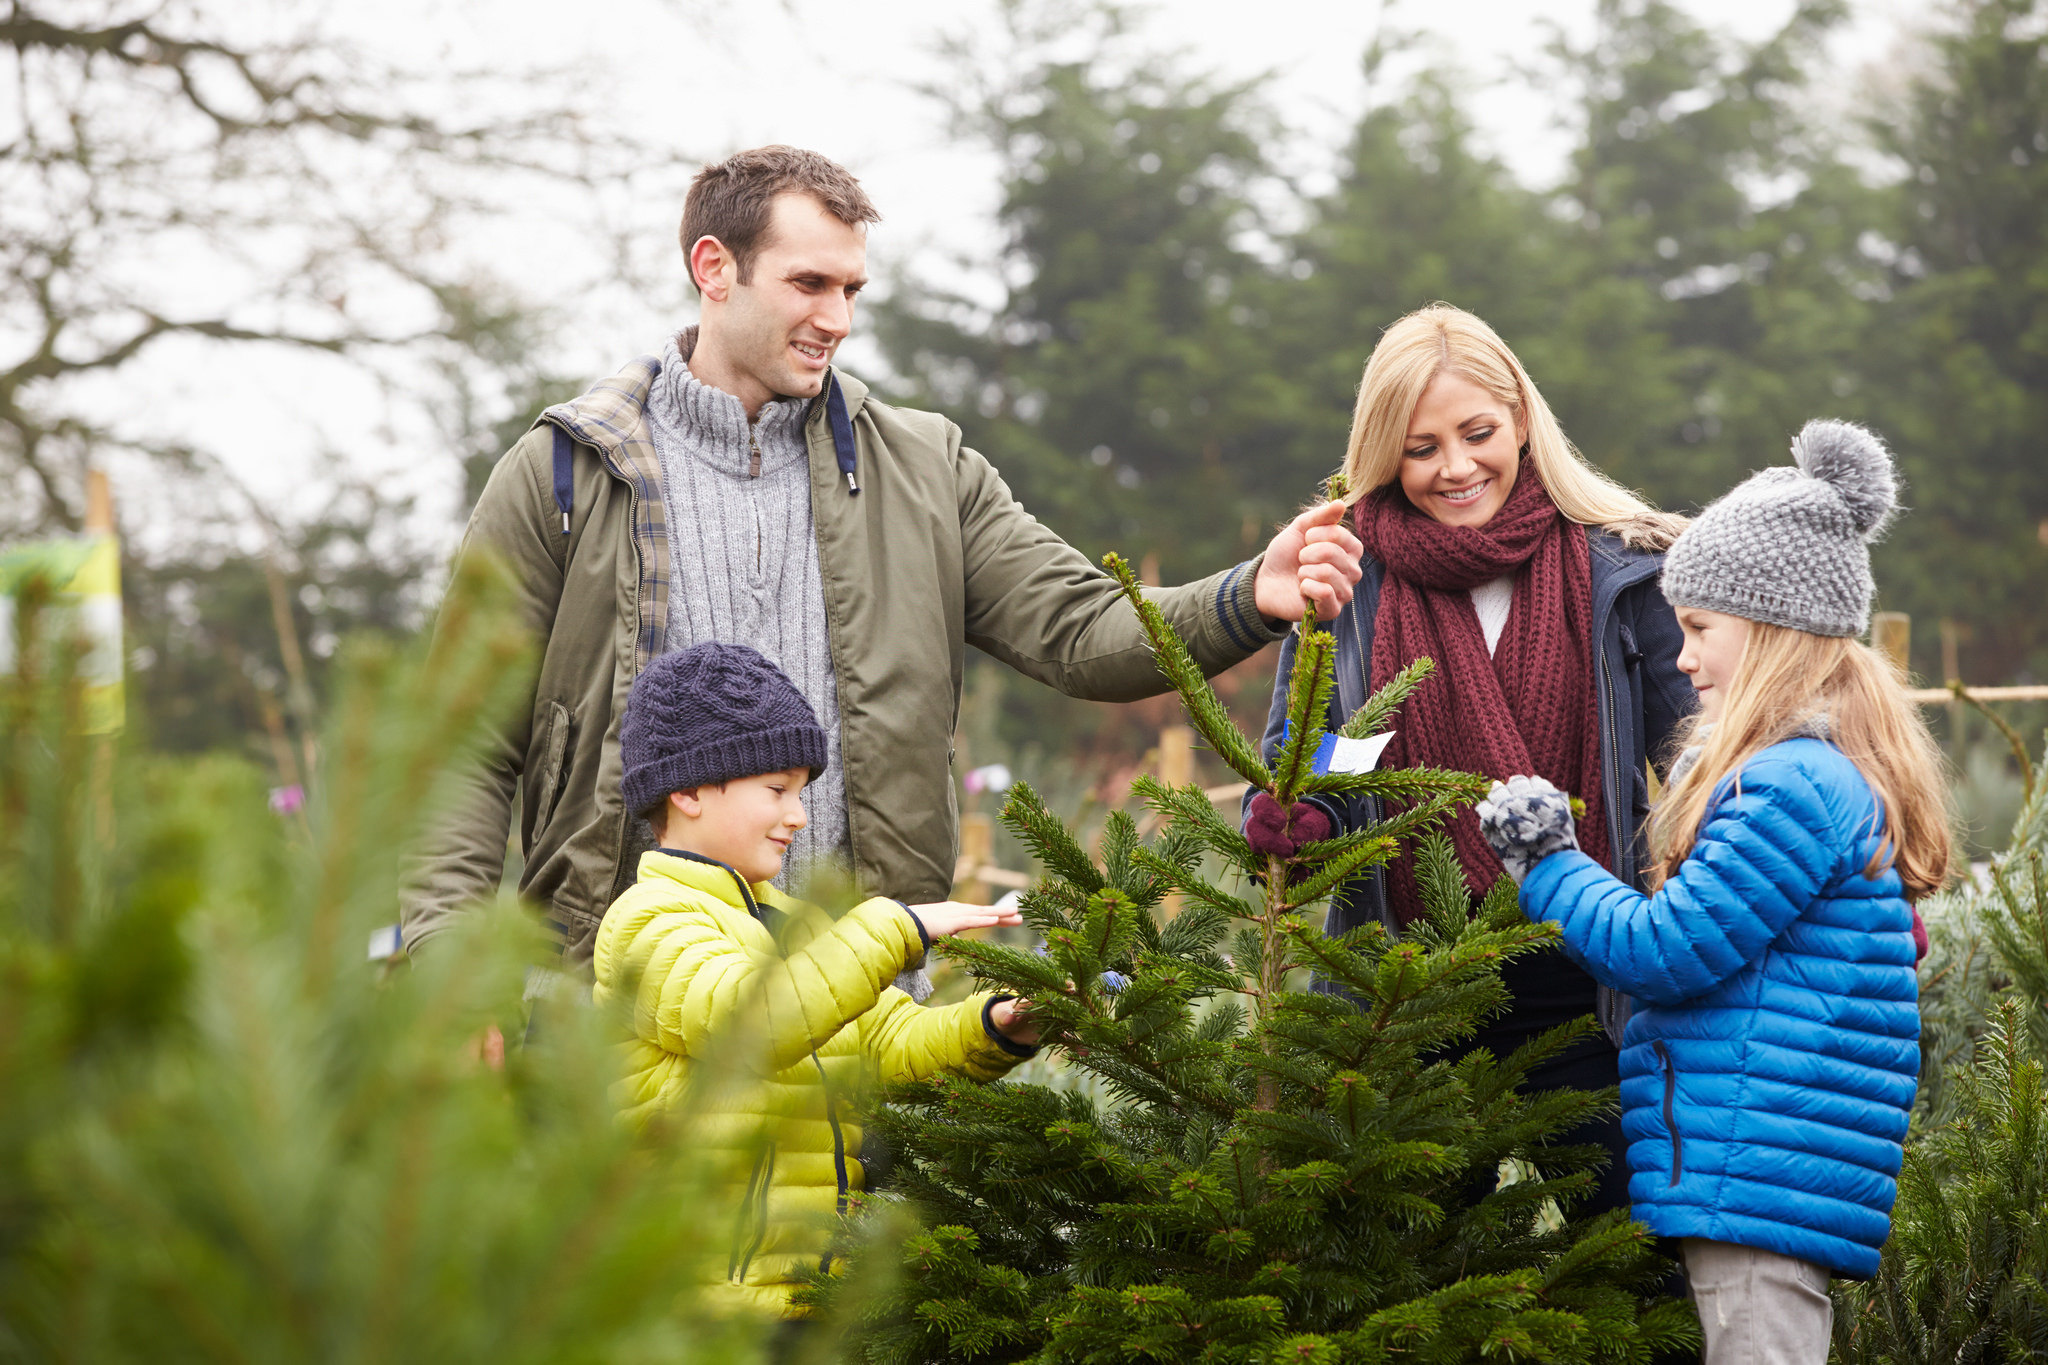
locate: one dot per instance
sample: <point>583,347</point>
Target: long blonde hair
<point>1784,678</point>
<point>1428,342</point>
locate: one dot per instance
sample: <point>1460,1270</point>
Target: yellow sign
<point>83,579</point>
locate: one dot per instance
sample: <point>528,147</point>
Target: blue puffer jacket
<point>1768,1069</point>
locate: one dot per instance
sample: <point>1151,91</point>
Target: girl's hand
<point>1012,1019</point>
<point>1526,820</point>
<point>944,918</point>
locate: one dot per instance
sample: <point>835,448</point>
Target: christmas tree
<point>1275,1152</point>
<point>226,1135</point>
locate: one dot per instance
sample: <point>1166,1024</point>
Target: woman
<point>1530,578</point>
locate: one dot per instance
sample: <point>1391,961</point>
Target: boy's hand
<point>1012,1019</point>
<point>941,918</point>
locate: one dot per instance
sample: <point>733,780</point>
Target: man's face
<point>774,335</point>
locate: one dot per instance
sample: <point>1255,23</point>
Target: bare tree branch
<point>175,169</point>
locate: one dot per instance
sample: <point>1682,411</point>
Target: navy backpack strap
<point>565,485</point>
<point>842,432</point>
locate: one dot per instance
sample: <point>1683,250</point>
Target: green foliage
<point>1987,941</point>
<point>1258,1170</point>
<point>227,1136</point>
<point>1965,1274</point>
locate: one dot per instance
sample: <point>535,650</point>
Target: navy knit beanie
<point>711,713</point>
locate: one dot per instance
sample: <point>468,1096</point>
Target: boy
<point>711,962</point>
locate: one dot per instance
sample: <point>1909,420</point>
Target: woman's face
<point>1459,460</point>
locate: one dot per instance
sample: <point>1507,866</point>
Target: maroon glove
<point>1919,937</point>
<point>1274,834</point>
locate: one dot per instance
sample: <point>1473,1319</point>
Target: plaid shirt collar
<point>611,418</point>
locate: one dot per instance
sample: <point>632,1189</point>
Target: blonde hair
<point>1439,338</point>
<point>1784,678</point>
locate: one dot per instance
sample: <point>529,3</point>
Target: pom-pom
<point>1854,462</point>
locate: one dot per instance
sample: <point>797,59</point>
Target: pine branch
<point>1024,814</point>
<point>1336,872</point>
<point>1205,711</point>
<point>1190,809</point>
<point>1189,884</point>
<point>1399,784</point>
<point>1378,711</point>
<point>1308,703</point>
<point>1195,928</point>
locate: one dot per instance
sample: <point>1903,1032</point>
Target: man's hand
<point>1314,556</point>
<point>1012,1019</point>
<point>943,918</point>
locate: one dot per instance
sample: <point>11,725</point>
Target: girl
<point>1769,1067</point>
<point>1531,579</point>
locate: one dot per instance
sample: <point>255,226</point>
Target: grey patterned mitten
<point>1526,820</point>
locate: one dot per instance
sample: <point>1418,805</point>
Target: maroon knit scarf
<point>1531,708</point>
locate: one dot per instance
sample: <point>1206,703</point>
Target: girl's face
<point>1713,647</point>
<point>1459,459</point>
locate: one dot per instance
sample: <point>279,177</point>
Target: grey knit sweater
<point>744,559</point>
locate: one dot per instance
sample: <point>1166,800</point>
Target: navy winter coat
<point>1642,699</point>
<point>1769,1066</point>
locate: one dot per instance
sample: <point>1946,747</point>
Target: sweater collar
<point>714,422</point>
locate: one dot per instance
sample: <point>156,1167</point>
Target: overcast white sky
<point>711,76</point>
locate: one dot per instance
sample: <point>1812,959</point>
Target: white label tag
<point>1338,755</point>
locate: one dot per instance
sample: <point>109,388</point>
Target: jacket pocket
<point>1671,1112</point>
<point>551,749</point>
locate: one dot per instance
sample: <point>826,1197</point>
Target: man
<point>740,488</point>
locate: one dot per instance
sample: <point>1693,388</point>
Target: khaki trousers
<point>1757,1307</point>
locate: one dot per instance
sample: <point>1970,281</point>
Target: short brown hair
<point>732,199</point>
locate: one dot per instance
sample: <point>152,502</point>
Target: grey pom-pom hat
<point>1790,546</point>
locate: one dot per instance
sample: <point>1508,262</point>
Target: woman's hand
<point>944,918</point>
<point>1526,820</point>
<point>1012,1019</point>
<point>1274,833</point>
<point>1315,556</point>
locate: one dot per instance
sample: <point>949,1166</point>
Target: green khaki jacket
<point>933,554</point>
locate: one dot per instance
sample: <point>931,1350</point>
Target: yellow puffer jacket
<point>768,1016</point>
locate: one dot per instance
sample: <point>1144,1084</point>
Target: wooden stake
<point>1952,672</point>
<point>1891,633</point>
<point>1176,769</point>
<point>99,503</point>
<point>977,847</point>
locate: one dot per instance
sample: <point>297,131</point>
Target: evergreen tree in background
<point>225,1136</point>
<point>1965,1274</point>
<point>1254,1169</point>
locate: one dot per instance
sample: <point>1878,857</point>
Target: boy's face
<point>746,824</point>
<point>1713,648</point>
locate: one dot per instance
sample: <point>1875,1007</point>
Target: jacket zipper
<point>1670,1114</point>
<point>1624,856</point>
<point>753,1217</point>
<point>838,1149</point>
<point>838,1137</point>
